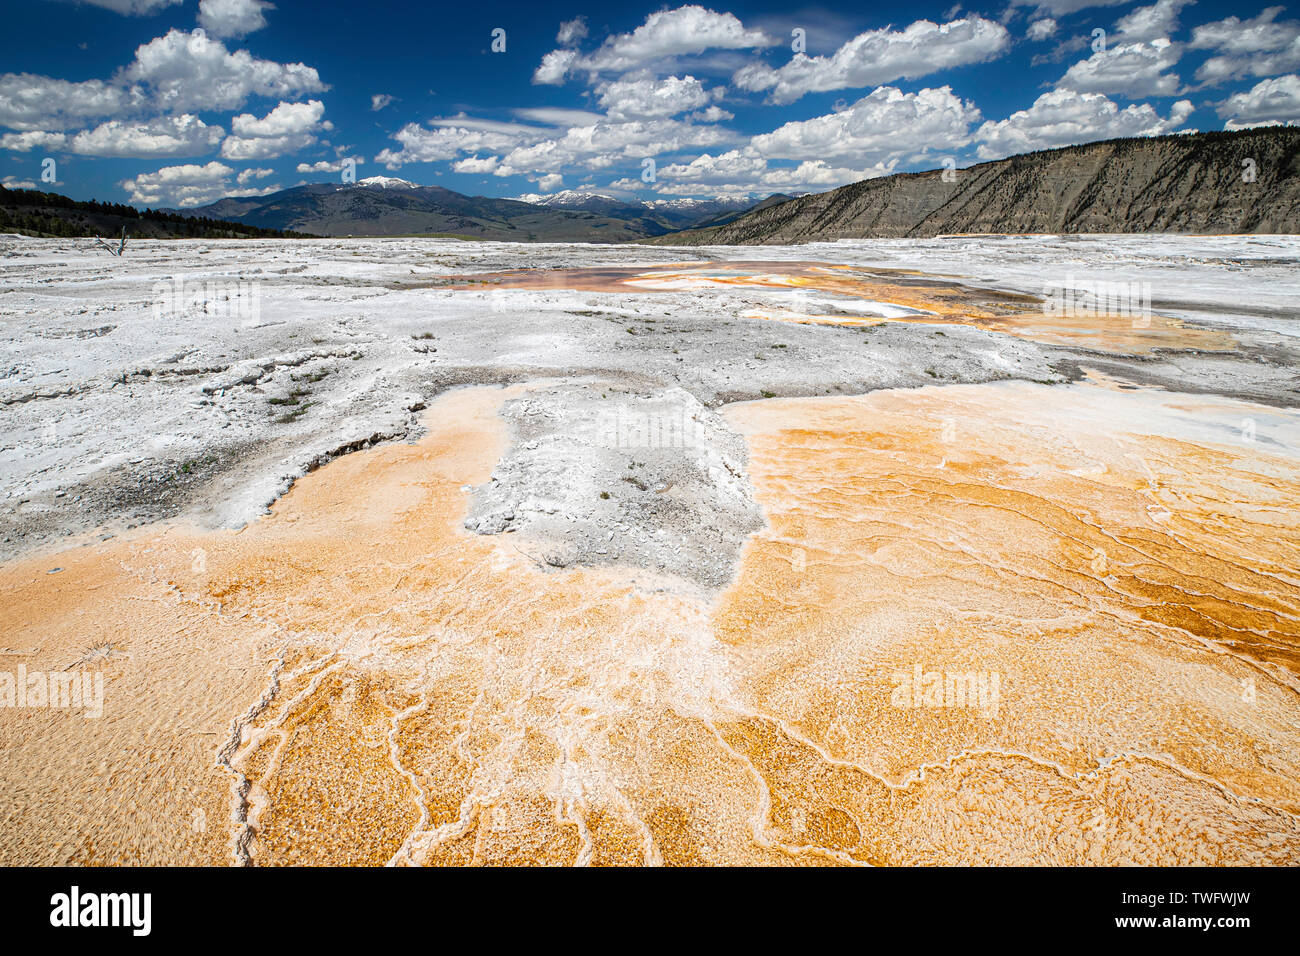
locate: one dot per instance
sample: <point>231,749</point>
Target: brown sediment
<point>1091,330</point>
<point>436,697</point>
<point>936,301</point>
<point>1133,591</point>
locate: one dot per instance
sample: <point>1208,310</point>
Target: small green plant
<point>293,416</point>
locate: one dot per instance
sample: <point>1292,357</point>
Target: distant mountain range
<point>386,206</point>
<point>671,214</point>
<point>1247,181</point>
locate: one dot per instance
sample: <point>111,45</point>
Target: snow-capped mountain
<point>671,214</point>
<point>572,199</point>
<point>687,204</point>
<point>385,182</point>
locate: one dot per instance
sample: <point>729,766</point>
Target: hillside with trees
<point>34,213</point>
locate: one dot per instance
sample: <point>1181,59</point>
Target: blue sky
<point>181,102</point>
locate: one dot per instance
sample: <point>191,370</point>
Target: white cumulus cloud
<point>475,164</point>
<point>1258,34</point>
<point>32,102</point>
<point>287,128</point>
<point>1067,117</point>
<point>183,135</point>
<point>880,56</point>
<point>191,71</point>
<point>248,175</point>
<point>1149,23</point>
<point>740,172</point>
<point>177,73</point>
<point>666,34</point>
<point>605,144</point>
<point>1268,102</point>
<point>187,185</point>
<point>233,18</point>
<point>1128,69</point>
<point>648,97</point>
<point>329,165</point>
<point>34,139</point>
<point>1260,46</point>
<point>454,136</point>
<point>885,125</point>
<point>571,31</point>
<point>1041,29</point>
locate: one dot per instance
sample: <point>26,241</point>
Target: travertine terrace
<point>426,552</point>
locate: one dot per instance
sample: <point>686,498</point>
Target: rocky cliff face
<point>1194,183</point>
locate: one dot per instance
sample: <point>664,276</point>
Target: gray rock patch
<point>600,474</point>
